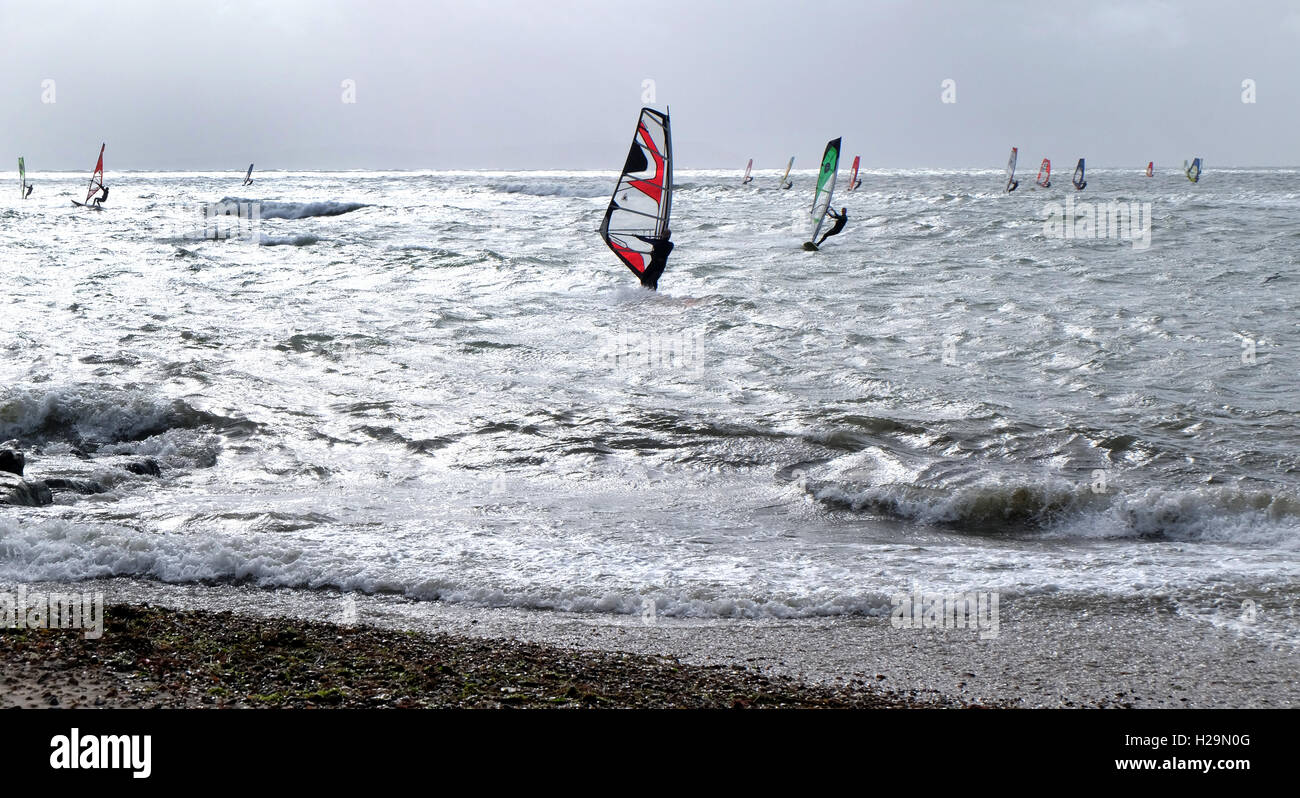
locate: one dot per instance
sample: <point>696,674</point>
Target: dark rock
<point>147,467</point>
<point>15,490</point>
<point>84,486</point>
<point>12,462</point>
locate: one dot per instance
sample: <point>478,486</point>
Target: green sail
<point>22,178</point>
<point>825,185</point>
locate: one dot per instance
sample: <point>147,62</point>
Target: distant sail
<point>853,178</point>
<point>1011,171</point>
<point>1151,166</point>
<point>785,177</point>
<point>22,178</point>
<point>1078,181</point>
<point>1045,174</point>
<point>248,178</point>
<point>97,177</point>
<point>636,223</point>
<point>1193,171</point>
<point>825,186</point>
<point>748,167</point>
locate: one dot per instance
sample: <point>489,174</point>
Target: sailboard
<point>22,178</point>
<point>248,178</point>
<point>96,178</point>
<point>1078,181</point>
<point>1045,174</point>
<point>748,167</point>
<point>785,181</point>
<point>635,226</point>
<point>1011,171</point>
<point>1151,168</point>
<point>825,189</point>
<point>854,182</point>
<point>1194,171</point>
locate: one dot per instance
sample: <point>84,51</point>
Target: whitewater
<point>443,386</point>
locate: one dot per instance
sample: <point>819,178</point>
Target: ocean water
<point>444,386</point>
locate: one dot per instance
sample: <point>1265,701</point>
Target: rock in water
<point>147,467</point>
<point>17,491</point>
<point>83,486</point>
<point>12,462</point>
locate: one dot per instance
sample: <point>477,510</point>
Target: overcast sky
<point>537,84</point>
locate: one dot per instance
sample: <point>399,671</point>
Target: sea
<point>444,387</point>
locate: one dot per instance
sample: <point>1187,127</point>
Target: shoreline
<point>1049,653</point>
<point>155,657</point>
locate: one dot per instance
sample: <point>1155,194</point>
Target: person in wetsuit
<point>658,260</point>
<point>840,219</point>
<point>101,198</point>
<point>30,186</point>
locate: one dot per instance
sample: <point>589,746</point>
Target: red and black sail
<point>636,224</point>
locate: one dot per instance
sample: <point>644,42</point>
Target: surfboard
<point>87,205</point>
<point>635,226</point>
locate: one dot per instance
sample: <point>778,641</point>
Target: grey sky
<point>535,84</point>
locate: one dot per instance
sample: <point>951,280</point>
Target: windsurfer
<point>840,218</point>
<point>30,186</point>
<point>1011,185</point>
<point>662,248</point>
<point>102,197</point>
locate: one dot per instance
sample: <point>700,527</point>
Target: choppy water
<point>444,385</point>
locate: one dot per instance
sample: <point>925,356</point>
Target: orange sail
<point>97,178</point>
